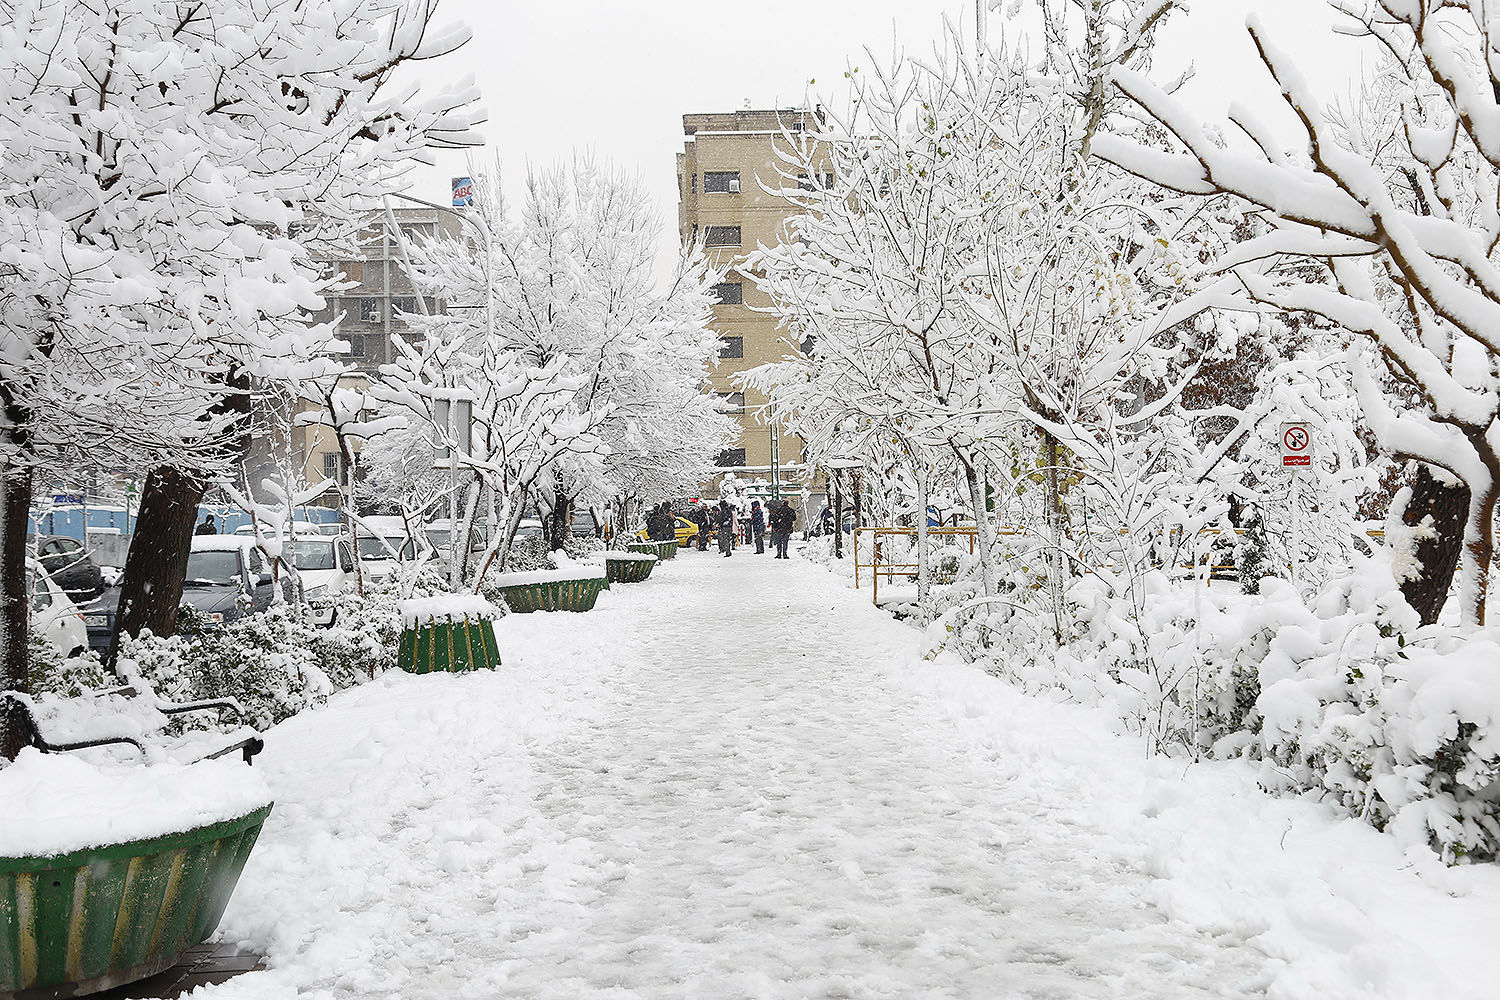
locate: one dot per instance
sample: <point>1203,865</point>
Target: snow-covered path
<point>734,781</point>
<point>779,823</point>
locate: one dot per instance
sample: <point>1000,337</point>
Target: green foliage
<point>67,677</point>
<point>1254,558</point>
<point>275,664</point>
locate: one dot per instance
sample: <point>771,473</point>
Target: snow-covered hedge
<point>276,663</point>
<point>1344,696</point>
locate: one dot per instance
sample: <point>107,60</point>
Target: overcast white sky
<point>615,78</point>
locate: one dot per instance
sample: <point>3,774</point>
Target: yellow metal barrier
<point>970,533</point>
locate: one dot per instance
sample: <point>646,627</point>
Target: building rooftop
<point>747,120</point>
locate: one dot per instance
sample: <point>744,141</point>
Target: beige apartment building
<point>725,158</point>
<point>373,309</point>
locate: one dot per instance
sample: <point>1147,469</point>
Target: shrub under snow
<point>1346,696</point>
<point>275,664</point>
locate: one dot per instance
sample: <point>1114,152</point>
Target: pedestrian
<point>207,527</point>
<point>782,520</point>
<point>702,520</point>
<point>758,526</point>
<point>826,521</point>
<point>726,528</point>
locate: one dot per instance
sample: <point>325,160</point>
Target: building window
<point>695,184</point>
<point>827,181</point>
<point>731,402</point>
<point>722,236</point>
<point>803,184</point>
<point>330,465</point>
<point>403,304</point>
<point>806,183</point>
<point>415,231</point>
<point>730,293</point>
<point>721,182</point>
<point>731,458</point>
<point>356,345</point>
<point>731,347</point>
<point>369,310</point>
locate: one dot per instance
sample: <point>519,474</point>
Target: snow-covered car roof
<point>383,524</point>
<point>222,543</point>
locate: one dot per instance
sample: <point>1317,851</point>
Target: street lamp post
<point>483,232</point>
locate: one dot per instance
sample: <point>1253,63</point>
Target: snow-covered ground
<point>737,780</point>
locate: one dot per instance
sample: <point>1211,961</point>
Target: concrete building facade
<point>725,158</point>
<point>373,309</point>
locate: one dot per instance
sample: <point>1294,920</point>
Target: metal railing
<point>877,568</point>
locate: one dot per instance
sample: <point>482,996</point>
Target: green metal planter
<point>80,923</point>
<point>557,595</point>
<point>661,550</point>
<point>628,570</point>
<point>448,647</point>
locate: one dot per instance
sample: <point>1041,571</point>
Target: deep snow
<point>737,780</point>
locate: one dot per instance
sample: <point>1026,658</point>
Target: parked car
<point>380,557</point>
<point>437,535</point>
<point>55,616</point>
<point>325,566</point>
<point>69,565</point>
<point>222,567</point>
<point>583,524</point>
<point>99,618</point>
<point>685,530</point>
<point>530,527</point>
<point>300,528</point>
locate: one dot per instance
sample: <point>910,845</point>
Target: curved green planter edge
<point>627,570</point>
<point>86,921</point>
<point>662,550</point>
<point>559,595</point>
<point>448,647</point>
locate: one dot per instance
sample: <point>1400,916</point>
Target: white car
<point>324,565</point>
<point>300,528</point>
<point>55,616</point>
<point>376,559</point>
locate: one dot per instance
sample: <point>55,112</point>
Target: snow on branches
<point>1399,223</point>
<point>583,379</point>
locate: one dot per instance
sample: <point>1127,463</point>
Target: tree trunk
<point>151,588</point>
<point>983,530</point>
<point>15,614</point>
<point>562,515</point>
<point>1056,565</point>
<point>1438,556</point>
<point>838,518</point>
<point>924,569</point>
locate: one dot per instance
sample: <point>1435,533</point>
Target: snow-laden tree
<point>573,303</point>
<point>153,161</point>
<point>972,285</point>
<point>1388,233</point>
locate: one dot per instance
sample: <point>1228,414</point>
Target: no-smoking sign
<point>1296,446</point>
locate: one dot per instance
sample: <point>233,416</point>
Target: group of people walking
<point>727,524</point>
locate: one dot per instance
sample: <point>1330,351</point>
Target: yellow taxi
<point>686,531</point>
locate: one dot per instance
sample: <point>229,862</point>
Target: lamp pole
<point>483,232</point>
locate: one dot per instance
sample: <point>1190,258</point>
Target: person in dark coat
<point>782,520</point>
<point>726,528</point>
<point>207,527</point>
<point>702,520</point>
<point>758,526</point>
